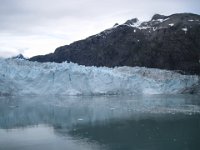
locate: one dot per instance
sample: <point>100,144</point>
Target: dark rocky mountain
<point>166,42</point>
<point>20,56</point>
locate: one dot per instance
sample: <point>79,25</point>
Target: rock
<point>20,56</point>
<point>131,22</point>
<point>158,16</point>
<point>162,42</point>
<point>116,24</point>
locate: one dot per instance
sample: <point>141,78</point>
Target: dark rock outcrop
<point>20,56</point>
<point>166,42</point>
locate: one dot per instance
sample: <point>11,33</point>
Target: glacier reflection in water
<point>100,122</point>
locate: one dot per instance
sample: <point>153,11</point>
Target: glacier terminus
<point>19,77</point>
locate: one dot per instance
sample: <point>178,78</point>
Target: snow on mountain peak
<point>157,22</point>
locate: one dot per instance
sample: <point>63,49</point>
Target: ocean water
<point>151,122</point>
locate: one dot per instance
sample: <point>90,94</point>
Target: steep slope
<point>166,42</point>
<point>25,77</point>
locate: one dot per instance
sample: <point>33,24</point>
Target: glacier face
<point>24,77</point>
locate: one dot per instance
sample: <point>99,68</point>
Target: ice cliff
<point>19,77</point>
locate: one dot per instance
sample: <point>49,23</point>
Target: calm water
<point>159,122</point>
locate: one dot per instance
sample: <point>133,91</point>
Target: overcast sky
<point>33,27</point>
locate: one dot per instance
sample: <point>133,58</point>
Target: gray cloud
<point>66,21</point>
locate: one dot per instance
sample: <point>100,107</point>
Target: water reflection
<point>41,137</point>
<point>104,122</point>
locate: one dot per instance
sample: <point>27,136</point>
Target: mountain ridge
<point>165,42</point>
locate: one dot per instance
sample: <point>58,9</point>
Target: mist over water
<point>100,122</point>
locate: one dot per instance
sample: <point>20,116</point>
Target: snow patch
<point>136,24</point>
<point>161,20</point>
<point>185,29</point>
<point>191,20</point>
<point>144,27</point>
<point>171,24</point>
<point>154,28</point>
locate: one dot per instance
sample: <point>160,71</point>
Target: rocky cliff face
<point>165,42</point>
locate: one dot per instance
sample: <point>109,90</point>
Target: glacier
<point>18,77</point>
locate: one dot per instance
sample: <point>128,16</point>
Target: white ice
<point>24,77</point>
